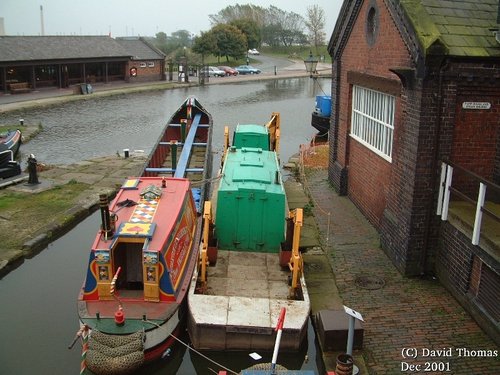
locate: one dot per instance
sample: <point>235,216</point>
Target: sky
<point>135,17</point>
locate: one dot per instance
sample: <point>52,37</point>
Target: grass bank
<point>24,215</point>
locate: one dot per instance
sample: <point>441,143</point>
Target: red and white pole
<point>279,329</point>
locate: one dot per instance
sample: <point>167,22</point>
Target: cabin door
<point>128,256</point>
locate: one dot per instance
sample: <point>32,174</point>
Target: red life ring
<point>133,72</point>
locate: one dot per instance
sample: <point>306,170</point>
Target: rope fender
<point>115,354</point>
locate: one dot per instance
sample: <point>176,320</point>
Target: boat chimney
<point>106,225</point>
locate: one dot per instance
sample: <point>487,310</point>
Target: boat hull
<point>133,302</point>
<point>235,303</point>
<point>235,322</point>
<point>9,147</point>
<point>320,123</point>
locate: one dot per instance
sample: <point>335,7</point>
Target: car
<point>253,51</point>
<point>213,71</point>
<point>247,69</point>
<point>229,71</point>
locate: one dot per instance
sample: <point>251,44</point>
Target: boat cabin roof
<point>145,211</point>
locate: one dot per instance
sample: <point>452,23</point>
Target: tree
<point>237,12</point>
<point>160,42</point>
<point>251,30</point>
<point>285,28</point>
<point>316,24</point>
<point>231,42</point>
<point>205,44</point>
<point>182,38</point>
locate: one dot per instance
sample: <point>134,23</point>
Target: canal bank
<point>37,214</point>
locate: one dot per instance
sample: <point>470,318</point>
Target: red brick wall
<point>145,74</point>
<point>477,132</point>
<point>464,269</point>
<point>369,174</point>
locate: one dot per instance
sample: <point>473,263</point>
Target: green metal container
<point>251,202</point>
<point>251,136</point>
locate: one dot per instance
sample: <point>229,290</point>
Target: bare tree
<point>236,12</point>
<point>282,27</point>
<point>315,23</point>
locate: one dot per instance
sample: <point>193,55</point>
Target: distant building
<point>416,84</point>
<point>62,61</point>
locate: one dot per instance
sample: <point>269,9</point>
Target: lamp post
<point>311,62</point>
<point>185,66</point>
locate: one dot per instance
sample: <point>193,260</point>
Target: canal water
<point>38,313</point>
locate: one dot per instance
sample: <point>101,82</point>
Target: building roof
<point>36,48</point>
<point>457,27</point>
<point>463,27</point>
<point>140,48</point>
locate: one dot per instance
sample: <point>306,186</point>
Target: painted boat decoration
<point>320,119</point>
<point>249,252</point>
<point>10,143</point>
<point>133,301</point>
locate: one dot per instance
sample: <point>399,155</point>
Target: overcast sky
<point>134,17</point>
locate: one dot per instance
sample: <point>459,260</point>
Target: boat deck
<point>197,160</point>
<point>240,308</point>
<point>252,275</point>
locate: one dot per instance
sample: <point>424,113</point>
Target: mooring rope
<point>85,348</point>
<point>194,350</point>
<point>206,181</point>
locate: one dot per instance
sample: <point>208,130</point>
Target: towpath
<point>402,315</point>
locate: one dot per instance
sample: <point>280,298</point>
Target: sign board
<point>353,313</point>
<point>476,105</point>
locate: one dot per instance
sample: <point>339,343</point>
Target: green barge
<point>250,266</point>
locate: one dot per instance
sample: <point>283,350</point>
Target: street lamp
<point>311,62</point>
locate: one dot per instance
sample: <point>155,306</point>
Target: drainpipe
<point>423,259</point>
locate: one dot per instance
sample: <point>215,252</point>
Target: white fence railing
<point>446,190</point>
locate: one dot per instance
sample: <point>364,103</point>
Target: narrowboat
<point>320,118</point>
<point>250,265</point>
<point>132,304</point>
<point>10,143</point>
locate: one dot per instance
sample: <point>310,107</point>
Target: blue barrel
<point>324,105</point>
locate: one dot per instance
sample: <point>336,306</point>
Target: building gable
<point>452,28</point>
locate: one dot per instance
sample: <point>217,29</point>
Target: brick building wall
<point>383,190</point>
<point>470,275</point>
<point>146,72</point>
<point>476,135</point>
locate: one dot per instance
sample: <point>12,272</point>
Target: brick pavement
<point>410,313</point>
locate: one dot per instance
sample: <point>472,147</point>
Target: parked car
<point>253,51</point>
<point>247,69</point>
<point>213,71</point>
<point>229,71</point>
